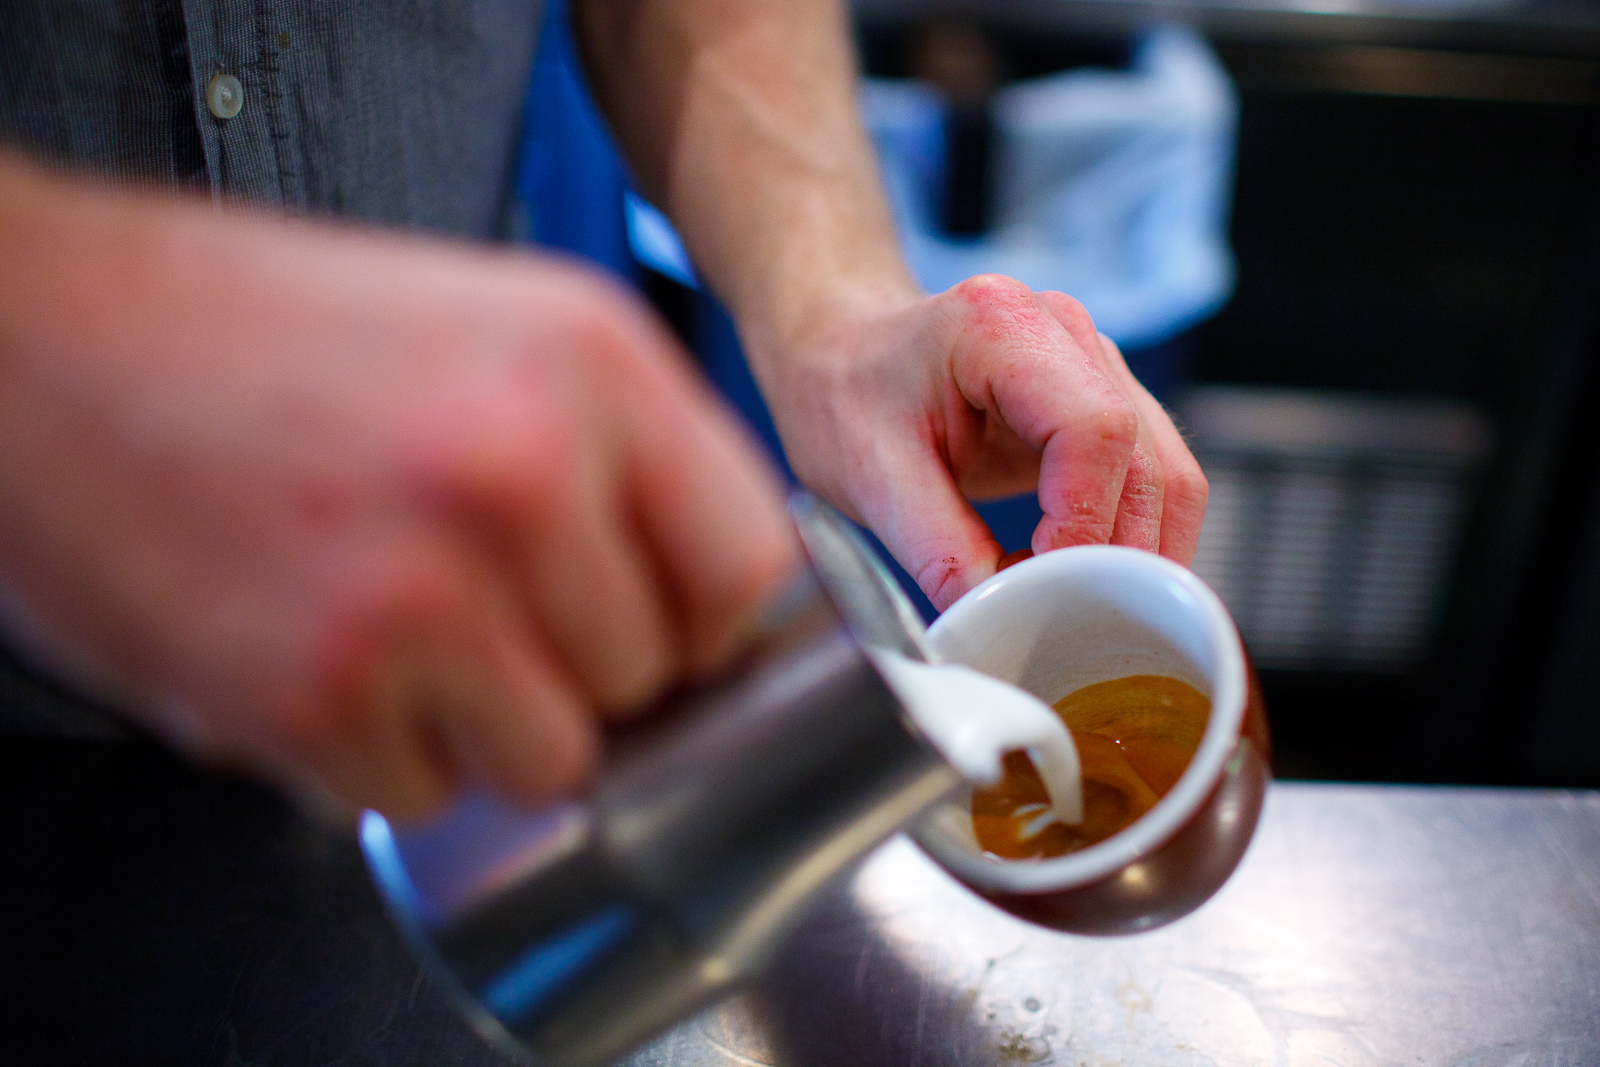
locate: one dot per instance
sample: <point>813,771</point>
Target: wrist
<point>821,314</point>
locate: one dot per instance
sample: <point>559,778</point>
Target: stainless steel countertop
<point>1368,925</point>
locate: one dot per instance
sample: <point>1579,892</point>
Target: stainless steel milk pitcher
<point>577,933</point>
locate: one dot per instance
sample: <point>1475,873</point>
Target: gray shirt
<point>395,111</point>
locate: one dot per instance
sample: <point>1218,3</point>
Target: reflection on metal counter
<point>1426,927</point>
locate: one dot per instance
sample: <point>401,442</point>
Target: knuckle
<point>1145,474</point>
<point>1114,423</point>
<point>1144,495</point>
<point>1013,332</point>
<point>1071,311</point>
<point>1078,525</point>
<point>1188,488</point>
<point>533,470</point>
<point>612,331</point>
<point>933,576</point>
<point>996,302</point>
<point>992,287</point>
<point>366,659</point>
<point>604,331</point>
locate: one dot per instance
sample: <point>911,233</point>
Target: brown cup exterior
<point>1185,870</point>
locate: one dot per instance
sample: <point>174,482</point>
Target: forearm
<point>740,120</point>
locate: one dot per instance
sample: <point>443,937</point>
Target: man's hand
<point>370,516</point>
<point>902,411</point>
<point>740,120</point>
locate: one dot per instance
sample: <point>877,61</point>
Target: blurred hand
<point>370,516</point>
<point>902,410</point>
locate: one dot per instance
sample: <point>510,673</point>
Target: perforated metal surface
<point>1334,519</point>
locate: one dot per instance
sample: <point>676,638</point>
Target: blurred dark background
<point>1414,224</point>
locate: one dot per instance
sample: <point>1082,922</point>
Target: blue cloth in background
<point>575,196</point>
<point>570,179</point>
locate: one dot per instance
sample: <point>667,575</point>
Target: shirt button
<point>224,96</point>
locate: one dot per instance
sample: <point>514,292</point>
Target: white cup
<point>1057,622</point>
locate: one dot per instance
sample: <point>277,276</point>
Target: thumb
<point>931,528</point>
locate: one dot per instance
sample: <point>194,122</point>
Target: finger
<point>603,611</point>
<point>1183,516</point>
<point>1140,505</point>
<point>516,721</point>
<point>401,772</point>
<point>1141,500</point>
<point>438,683</point>
<point>591,589</point>
<point>707,506</point>
<point>1139,509</point>
<point>931,528</point>
<point>1185,489</point>
<point>1081,477</point>
<point>1026,361</point>
<point>534,482</point>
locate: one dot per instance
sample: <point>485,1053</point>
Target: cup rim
<point>1206,768</point>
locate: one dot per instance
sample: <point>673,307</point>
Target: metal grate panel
<point>1333,520</point>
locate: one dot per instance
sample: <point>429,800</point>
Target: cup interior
<point>1060,621</point>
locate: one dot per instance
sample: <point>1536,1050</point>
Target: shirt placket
<point>242,136</point>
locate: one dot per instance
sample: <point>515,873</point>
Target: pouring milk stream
<point>970,718</point>
<point>974,720</point>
